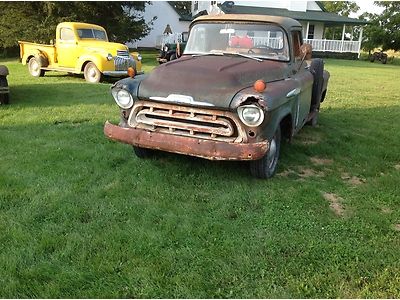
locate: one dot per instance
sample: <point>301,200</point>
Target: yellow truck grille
<point>122,63</point>
<point>187,121</point>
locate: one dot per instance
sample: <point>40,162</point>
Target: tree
<point>343,8</point>
<point>36,21</point>
<point>389,23</point>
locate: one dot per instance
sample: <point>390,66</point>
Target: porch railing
<point>334,45</point>
<point>317,44</point>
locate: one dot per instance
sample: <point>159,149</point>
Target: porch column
<point>308,27</point>
<point>359,41</point>
<point>343,32</point>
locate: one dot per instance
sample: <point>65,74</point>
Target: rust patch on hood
<point>212,79</point>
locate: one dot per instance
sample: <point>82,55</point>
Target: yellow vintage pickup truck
<point>80,47</point>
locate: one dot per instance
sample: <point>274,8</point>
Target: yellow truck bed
<point>28,48</point>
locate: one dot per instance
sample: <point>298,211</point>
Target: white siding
<point>266,3</point>
<point>311,5</point>
<point>318,29</point>
<point>165,15</point>
<point>298,6</point>
<point>205,5</point>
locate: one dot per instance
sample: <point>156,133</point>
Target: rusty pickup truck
<point>243,84</point>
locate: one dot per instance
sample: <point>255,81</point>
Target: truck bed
<point>28,49</point>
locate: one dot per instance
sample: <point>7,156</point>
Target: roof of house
<point>182,17</point>
<point>285,22</point>
<point>309,15</point>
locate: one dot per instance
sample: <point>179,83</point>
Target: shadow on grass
<point>352,138</point>
<point>49,92</point>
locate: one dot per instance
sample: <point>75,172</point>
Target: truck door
<point>66,48</point>
<point>305,79</point>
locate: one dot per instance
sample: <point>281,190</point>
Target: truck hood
<point>211,79</point>
<point>102,46</point>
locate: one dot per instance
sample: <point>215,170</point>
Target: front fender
<point>276,101</point>
<point>98,59</point>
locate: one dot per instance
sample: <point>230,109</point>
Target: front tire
<point>92,73</point>
<point>4,98</point>
<point>266,166</point>
<point>34,67</point>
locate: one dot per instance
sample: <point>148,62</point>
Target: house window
<point>310,34</point>
<point>196,5</point>
<point>213,2</point>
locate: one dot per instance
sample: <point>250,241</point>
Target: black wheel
<point>92,73</point>
<point>143,152</point>
<point>4,97</point>
<point>169,54</point>
<point>173,56</point>
<point>266,166</point>
<point>34,67</point>
<point>384,60</point>
<point>317,69</point>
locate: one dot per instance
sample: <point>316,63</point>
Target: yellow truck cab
<point>80,47</point>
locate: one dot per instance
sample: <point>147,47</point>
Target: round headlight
<point>251,115</point>
<point>123,98</point>
<point>139,57</point>
<point>109,56</point>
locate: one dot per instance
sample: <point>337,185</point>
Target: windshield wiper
<point>227,53</point>
<point>244,55</point>
<point>206,54</point>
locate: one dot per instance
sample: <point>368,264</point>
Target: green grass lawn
<point>81,216</point>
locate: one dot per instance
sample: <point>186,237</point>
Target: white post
<point>359,41</point>
<point>308,27</point>
<point>343,32</point>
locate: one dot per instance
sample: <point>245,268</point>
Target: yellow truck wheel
<point>92,73</point>
<point>34,68</point>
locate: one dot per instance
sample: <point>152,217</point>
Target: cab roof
<point>80,25</point>
<point>285,22</point>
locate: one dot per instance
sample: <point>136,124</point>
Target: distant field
<point>82,217</point>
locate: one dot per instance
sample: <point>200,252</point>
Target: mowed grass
<point>81,216</point>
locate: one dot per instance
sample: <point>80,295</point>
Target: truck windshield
<point>265,41</point>
<point>92,34</point>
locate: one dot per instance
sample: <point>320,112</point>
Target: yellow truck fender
<point>40,55</point>
<point>98,59</point>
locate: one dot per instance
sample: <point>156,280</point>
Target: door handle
<point>294,92</point>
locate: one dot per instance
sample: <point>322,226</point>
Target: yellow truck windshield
<point>87,33</point>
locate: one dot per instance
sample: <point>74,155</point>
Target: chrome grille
<point>122,64</point>
<point>187,121</point>
<point>123,53</point>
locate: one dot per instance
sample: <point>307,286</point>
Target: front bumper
<point>209,149</point>
<point>118,73</point>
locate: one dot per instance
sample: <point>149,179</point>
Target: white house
<point>165,15</point>
<point>311,14</point>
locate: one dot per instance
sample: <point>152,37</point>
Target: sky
<point>367,6</point>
